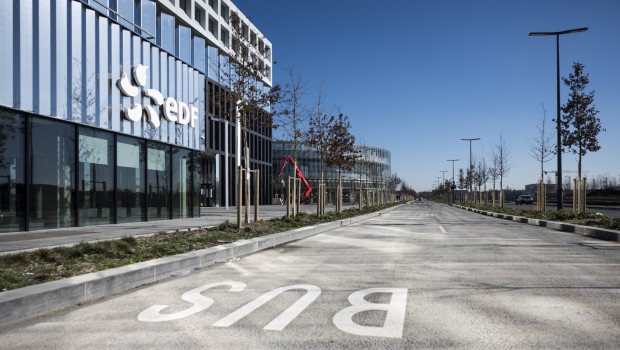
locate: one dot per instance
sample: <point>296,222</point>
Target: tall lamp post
<point>443,177</point>
<point>557,119</point>
<point>453,183</point>
<point>471,169</point>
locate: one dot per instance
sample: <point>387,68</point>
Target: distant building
<point>373,170</point>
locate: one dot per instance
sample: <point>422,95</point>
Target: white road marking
<point>199,301</point>
<point>394,320</point>
<point>443,230</point>
<point>284,318</point>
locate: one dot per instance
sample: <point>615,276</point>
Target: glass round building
<point>372,170</point>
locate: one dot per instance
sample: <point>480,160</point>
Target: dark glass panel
<point>130,180</point>
<point>53,175</point>
<point>12,172</point>
<point>158,181</point>
<point>181,183</point>
<point>95,177</point>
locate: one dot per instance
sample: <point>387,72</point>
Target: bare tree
<point>501,159</point>
<point>244,98</point>
<point>481,177</point>
<point>293,114</point>
<point>542,147</point>
<point>493,174</point>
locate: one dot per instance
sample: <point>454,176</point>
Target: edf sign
<point>174,111</point>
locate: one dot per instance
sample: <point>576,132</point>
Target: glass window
<point>186,6</point>
<point>181,183</point>
<point>184,43</point>
<point>12,172</point>
<point>100,5</point>
<point>199,59</point>
<point>165,32</point>
<point>95,177</point>
<point>130,196</point>
<point>53,174</point>
<point>214,63</point>
<point>195,170</point>
<point>158,181</point>
<point>200,16</point>
<point>126,11</point>
<point>149,17</point>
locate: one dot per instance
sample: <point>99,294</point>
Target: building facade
<point>107,111</point>
<point>372,170</point>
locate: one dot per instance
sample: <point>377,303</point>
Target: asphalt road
<point>422,276</point>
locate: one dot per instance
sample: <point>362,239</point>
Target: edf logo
<point>174,111</point>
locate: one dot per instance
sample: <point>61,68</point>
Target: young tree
<point>501,159</point>
<point>392,184</point>
<point>293,115</point>
<point>481,177</point>
<point>462,182</point>
<point>493,175</point>
<point>542,147</point>
<point>580,126</point>
<point>244,98</point>
<point>341,151</point>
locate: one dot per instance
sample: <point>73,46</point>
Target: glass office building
<point>104,111</point>
<point>372,170</point>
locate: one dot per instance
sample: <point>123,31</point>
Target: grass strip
<point>23,269</point>
<point>589,218</point>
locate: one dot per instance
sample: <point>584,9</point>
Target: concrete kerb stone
<point>37,300</point>
<point>594,232</point>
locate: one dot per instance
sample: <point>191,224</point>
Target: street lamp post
<point>557,119</point>
<point>471,169</point>
<point>453,183</point>
<point>443,177</point>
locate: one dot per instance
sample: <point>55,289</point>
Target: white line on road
<point>443,230</point>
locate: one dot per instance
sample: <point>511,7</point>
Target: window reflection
<point>184,43</point>
<point>126,11</point>
<point>165,32</point>
<point>130,180</point>
<point>53,174</point>
<point>149,17</point>
<point>158,181</point>
<point>199,59</point>
<point>181,183</point>
<point>12,172</point>
<point>95,177</point>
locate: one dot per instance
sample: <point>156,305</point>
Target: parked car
<point>524,199</point>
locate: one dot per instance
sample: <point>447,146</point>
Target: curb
<point>36,300</point>
<point>587,231</point>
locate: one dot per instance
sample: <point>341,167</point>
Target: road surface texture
<point>423,276</point>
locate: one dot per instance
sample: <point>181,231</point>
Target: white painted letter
<point>284,318</point>
<point>201,302</point>
<point>394,320</point>
<point>183,113</point>
<point>171,109</point>
<point>194,113</point>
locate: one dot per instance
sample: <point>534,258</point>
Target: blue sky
<point>417,76</point>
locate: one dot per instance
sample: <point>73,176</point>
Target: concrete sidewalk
<point>209,217</point>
